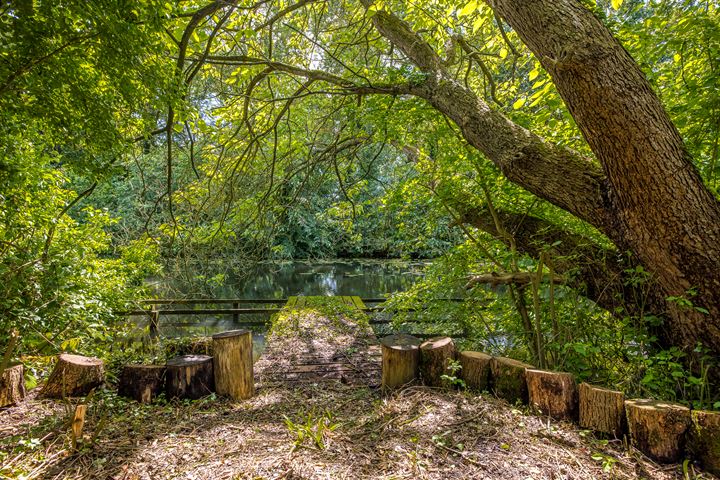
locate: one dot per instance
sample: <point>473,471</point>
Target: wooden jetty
<point>321,339</point>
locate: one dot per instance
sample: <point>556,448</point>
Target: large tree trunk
<point>645,195</point>
<point>660,207</point>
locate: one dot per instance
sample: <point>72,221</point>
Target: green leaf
<point>616,4</point>
<point>468,9</point>
<point>518,103</point>
<point>503,53</point>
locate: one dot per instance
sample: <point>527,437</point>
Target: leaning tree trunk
<point>659,206</point>
<point>646,196</point>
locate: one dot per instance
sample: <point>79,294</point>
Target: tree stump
<point>554,393</point>
<point>400,360</point>
<point>189,376</point>
<point>657,428</point>
<point>12,386</point>
<point>74,376</point>
<point>704,441</point>
<point>142,382</point>
<point>233,364</point>
<point>602,410</point>
<point>508,379</point>
<point>435,357</point>
<point>475,370</point>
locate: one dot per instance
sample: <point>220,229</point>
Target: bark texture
<point>553,393</point>
<point>142,382</point>
<point>658,429</point>
<point>12,386</point>
<point>190,376</point>
<point>602,410</point>
<point>435,357</point>
<point>74,376</point>
<point>704,443</point>
<point>508,379</point>
<point>233,364</point>
<point>400,360</point>
<point>475,370</point>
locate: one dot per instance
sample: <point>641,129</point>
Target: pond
<point>363,278</point>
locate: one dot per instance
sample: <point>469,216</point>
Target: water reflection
<point>366,279</point>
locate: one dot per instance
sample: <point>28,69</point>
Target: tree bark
<point>400,360</point>
<point>233,364</point>
<point>602,410</point>
<point>658,429</point>
<point>12,386</point>
<point>74,376</point>
<point>435,357</point>
<point>190,376</point>
<point>553,393</point>
<point>475,370</point>
<point>704,443</point>
<point>142,382</point>
<point>508,379</point>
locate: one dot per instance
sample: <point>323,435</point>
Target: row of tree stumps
<point>664,431</point>
<point>228,372</point>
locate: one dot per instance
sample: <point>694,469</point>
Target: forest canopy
<point>569,147</point>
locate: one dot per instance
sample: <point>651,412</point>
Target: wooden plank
<point>203,311</point>
<point>347,301</point>
<point>210,301</point>
<point>292,302</point>
<point>358,302</point>
<point>198,324</point>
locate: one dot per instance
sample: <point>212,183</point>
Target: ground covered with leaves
<point>330,429</point>
<point>310,431</point>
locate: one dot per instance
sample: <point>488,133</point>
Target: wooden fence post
<point>154,321</point>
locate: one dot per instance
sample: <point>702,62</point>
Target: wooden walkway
<point>321,339</point>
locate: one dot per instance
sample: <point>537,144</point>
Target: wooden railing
<point>154,312</point>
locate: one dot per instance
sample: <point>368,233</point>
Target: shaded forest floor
<point>306,430</point>
<point>416,433</point>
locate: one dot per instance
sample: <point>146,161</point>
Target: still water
<point>364,278</point>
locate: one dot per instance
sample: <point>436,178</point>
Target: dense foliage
<point>190,131</point>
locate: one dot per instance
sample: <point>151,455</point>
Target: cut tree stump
<point>142,382</point>
<point>12,386</point>
<point>704,441</point>
<point>189,376</point>
<point>554,393</point>
<point>233,364</point>
<point>74,376</point>
<point>602,410</point>
<point>507,377</point>
<point>475,370</point>
<point>658,428</point>
<point>435,357</point>
<point>400,360</point>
